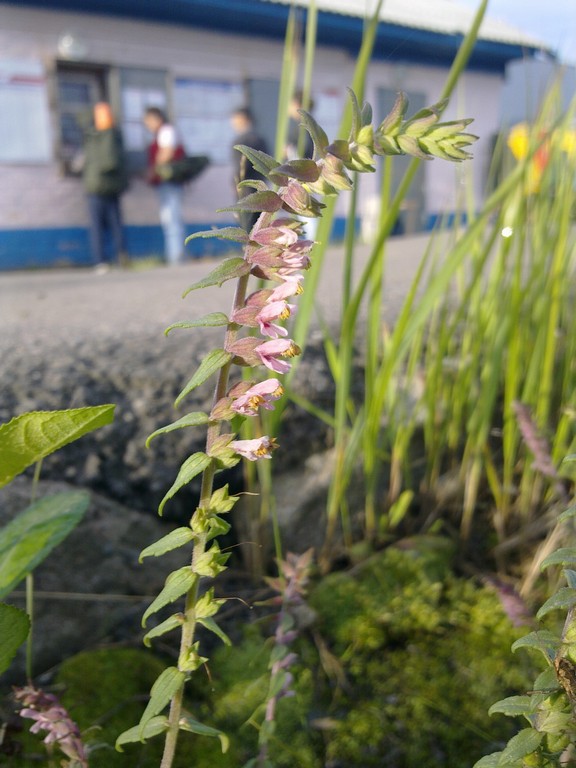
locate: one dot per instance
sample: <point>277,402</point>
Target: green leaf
<point>302,170</point>
<point>524,743</point>
<point>34,533</point>
<point>211,625</point>
<point>194,419</point>
<point>187,723</point>
<point>208,605</point>
<point>541,640</point>
<point>546,681</point>
<point>261,161</point>
<point>177,584</point>
<point>513,706</point>
<point>227,270</point>
<point>169,682</point>
<point>269,201</point>
<point>193,466</point>
<point>213,361</point>
<point>221,502</point>
<point>14,628</point>
<point>211,320</point>
<point>489,761</point>
<point>570,576</point>
<point>317,133</point>
<point>173,540</point>
<point>173,622</point>
<point>237,234</point>
<point>563,556</point>
<point>562,600</point>
<point>154,727</point>
<point>33,436</point>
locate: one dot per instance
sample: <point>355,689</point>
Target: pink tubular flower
<point>275,310</point>
<point>259,448</point>
<point>275,235</point>
<point>260,395</point>
<point>286,289</point>
<point>269,353</point>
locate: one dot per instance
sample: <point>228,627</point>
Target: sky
<point>553,21</point>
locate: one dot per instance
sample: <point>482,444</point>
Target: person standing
<point>105,179</point>
<point>164,149</point>
<point>246,133</point>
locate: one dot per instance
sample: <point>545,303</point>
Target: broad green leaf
<point>177,584</point>
<point>256,203</point>
<point>489,761</point>
<point>227,270</point>
<point>34,533</point>
<point>563,556</point>
<point>14,628</point>
<point>32,436</point>
<point>173,622</point>
<point>221,502</point>
<point>237,234</point>
<point>547,680</point>
<point>193,466</point>
<point>187,723</point>
<point>563,599</point>
<point>211,320</point>
<point>570,576</point>
<point>211,625</point>
<point>524,743</point>
<point>512,706</point>
<point>302,170</point>
<point>154,727</point>
<point>213,361</point>
<point>173,540</point>
<point>169,682</point>
<point>542,640</point>
<point>194,419</point>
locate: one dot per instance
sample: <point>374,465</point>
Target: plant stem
<point>30,582</point>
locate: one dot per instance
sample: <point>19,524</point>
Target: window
<point>140,88</point>
<point>24,117</point>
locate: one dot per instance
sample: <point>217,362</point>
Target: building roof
<point>413,31</point>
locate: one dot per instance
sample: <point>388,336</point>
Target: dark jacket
<point>104,163</point>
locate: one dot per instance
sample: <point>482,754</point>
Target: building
<point>199,59</point>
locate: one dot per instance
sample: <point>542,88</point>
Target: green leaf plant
<point>549,741</point>
<point>275,252</point>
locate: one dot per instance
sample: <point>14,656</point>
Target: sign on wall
<point>203,109</point>
<point>25,135</point>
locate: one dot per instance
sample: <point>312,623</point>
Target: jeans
<point>170,196</point>
<point>105,216</point>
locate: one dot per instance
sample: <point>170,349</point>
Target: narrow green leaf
<point>541,640</point>
<point>563,556</point>
<point>227,270</point>
<point>562,600</point>
<point>317,133</point>
<point>169,682</point>
<point>512,706</point>
<point>173,622</point>
<point>221,502</point>
<point>187,723</point>
<point>302,170</point>
<point>154,727</point>
<point>236,234</point>
<point>570,577</point>
<point>524,743</point>
<point>172,540</point>
<point>194,419</point>
<point>14,628</point>
<point>213,361</point>
<point>256,202</point>
<point>211,625</point>
<point>34,533</point>
<point>261,161</point>
<point>193,466</point>
<point>568,514</point>
<point>546,680</point>
<point>211,320</point>
<point>177,584</point>
<point>33,436</point>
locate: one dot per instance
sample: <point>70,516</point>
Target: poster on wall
<point>25,135</point>
<point>203,109</point>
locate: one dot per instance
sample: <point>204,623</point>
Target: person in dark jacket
<point>105,179</point>
<point>243,125</point>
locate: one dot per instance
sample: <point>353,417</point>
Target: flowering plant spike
<point>273,250</point>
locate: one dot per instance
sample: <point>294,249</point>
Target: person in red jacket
<point>165,148</point>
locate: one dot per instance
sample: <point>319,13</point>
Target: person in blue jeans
<point>165,148</point>
<point>105,179</point>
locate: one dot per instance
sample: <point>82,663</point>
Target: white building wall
<point>39,197</point>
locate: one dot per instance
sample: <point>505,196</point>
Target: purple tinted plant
<point>273,250</point>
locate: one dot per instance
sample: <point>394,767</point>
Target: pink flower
<point>275,235</point>
<point>262,394</point>
<point>286,289</point>
<point>259,448</point>
<point>269,353</point>
<point>275,310</point>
